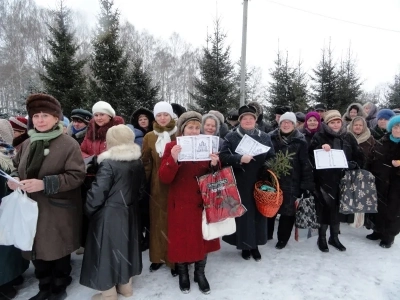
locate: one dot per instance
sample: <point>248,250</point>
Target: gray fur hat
<point>185,118</point>
<point>257,106</point>
<point>220,116</point>
<point>210,116</point>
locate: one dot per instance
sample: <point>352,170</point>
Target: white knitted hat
<point>163,106</point>
<point>103,107</point>
<point>119,135</point>
<point>290,116</point>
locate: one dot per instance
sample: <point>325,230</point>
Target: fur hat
<point>247,110</point>
<point>19,123</point>
<point>6,131</point>
<point>257,106</point>
<point>37,103</point>
<point>210,116</point>
<point>280,110</point>
<point>288,116</point>
<point>331,115</point>
<point>103,107</point>
<point>119,135</point>
<point>385,114</point>
<point>220,116</point>
<point>185,118</point>
<point>163,107</point>
<point>393,121</point>
<point>300,117</point>
<point>233,115</point>
<point>81,114</point>
<point>178,109</point>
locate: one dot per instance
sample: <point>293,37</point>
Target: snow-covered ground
<point>300,271</point>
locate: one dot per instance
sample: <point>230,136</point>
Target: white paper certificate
<point>333,159</point>
<point>195,148</point>
<point>251,147</point>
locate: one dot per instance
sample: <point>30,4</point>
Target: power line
<point>334,18</point>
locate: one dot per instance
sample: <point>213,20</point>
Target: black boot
<point>7,291</point>
<point>334,240</point>
<point>58,288</point>
<point>246,254</point>
<point>322,244</point>
<point>387,241</point>
<point>280,245</point>
<point>200,277</point>
<point>155,266</point>
<point>374,236</point>
<point>174,271</point>
<point>184,282</point>
<point>44,289</point>
<point>256,254</point>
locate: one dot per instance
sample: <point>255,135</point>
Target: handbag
<point>216,230</point>
<point>358,192</point>
<point>220,195</point>
<point>18,220</point>
<point>306,214</point>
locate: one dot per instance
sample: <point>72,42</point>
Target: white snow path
<point>299,271</point>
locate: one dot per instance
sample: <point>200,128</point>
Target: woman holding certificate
<point>251,228</point>
<point>185,207</point>
<point>333,135</point>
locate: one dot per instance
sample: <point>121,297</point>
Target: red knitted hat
<point>19,123</point>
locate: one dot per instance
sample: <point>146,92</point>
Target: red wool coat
<point>185,206</point>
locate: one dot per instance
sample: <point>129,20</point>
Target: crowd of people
<point>110,191</point>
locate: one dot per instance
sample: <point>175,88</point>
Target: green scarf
<point>39,148</point>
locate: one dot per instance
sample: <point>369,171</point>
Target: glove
<point>305,194</point>
<point>93,166</point>
<point>352,165</point>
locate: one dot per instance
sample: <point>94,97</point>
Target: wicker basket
<point>268,203</point>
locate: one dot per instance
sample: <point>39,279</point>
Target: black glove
<point>93,166</point>
<point>305,194</point>
<point>353,165</point>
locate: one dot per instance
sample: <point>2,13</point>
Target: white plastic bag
<point>18,220</point>
<point>216,230</point>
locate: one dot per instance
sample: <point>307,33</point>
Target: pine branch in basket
<point>280,164</point>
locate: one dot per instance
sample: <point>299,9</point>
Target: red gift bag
<point>220,195</point>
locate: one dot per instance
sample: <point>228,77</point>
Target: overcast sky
<point>301,27</point>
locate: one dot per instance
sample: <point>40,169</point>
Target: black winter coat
<point>112,252</point>
<point>327,181</point>
<point>251,228</point>
<point>378,132</point>
<point>301,175</point>
<point>387,180</point>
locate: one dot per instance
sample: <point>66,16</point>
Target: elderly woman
<point>210,125</point>
<point>287,139</point>
<point>370,110</point>
<point>333,135</point>
<point>185,207</point>
<point>312,125</point>
<point>384,163</point>
<point>383,116</point>
<point>154,142</point>
<point>51,170</point>
<point>251,228</point>
<point>353,110</point>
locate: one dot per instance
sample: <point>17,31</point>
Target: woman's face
<point>210,126</point>
<point>78,124</point>
<point>367,109</point>
<point>286,126</point>
<point>335,125</point>
<point>101,119</point>
<point>44,122</point>
<point>143,121</point>
<point>163,118</point>
<point>358,127</point>
<point>353,113</point>
<point>248,122</point>
<point>396,130</point>
<point>192,128</point>
<point>18,133</point>
<point>382,123</point>
<point>312,123</point>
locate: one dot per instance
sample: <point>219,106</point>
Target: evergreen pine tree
<point>299,101</point>
<point>216,88</point>
<point>109,63</point>
<point>393,95</point>
<point>63,77</point>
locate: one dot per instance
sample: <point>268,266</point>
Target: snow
<point>299,271</point>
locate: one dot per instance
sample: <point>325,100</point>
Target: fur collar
<point>125,152</point>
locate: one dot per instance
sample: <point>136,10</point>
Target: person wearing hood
<point>78,127</point>
<point>111,206</point>
<point>370,110</point>
<point>333,135</point>
<point>299,181</point>
<point>384,164</point>
<point>223,128</point>
<point>383,116</point>
<point>353,110</point>
<point>19,125</point>
<point>141,123</point>
<point>311,126</point>
<point>210,125</point>
<point>261,124</point>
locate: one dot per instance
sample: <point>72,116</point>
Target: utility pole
<point>243,60</point>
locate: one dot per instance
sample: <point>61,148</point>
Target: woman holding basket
<point>251,228</point>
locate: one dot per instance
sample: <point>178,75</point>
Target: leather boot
<point>183,272</point>
<point>200,277</point>
<point>110,294</point>
<point>374,236</point>
<point>334,240</point>
<point>155,266</point>
<point>58,288</point>
<point>44,288</point>
<point>125,290</point>
<point>322,244</point>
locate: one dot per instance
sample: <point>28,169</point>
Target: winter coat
<point>368,146</point>
<point>185,207</point>
<point>371,118</point>
<point>94,142</point>
<point>138,135</point>
<point>263,126</point>
<point>327,181</point>
<point>112,251</point>
<point>223,131</point>
<point>57,233</point>
<point>158,200</point>
<point>378,132</point>
<point>307,135</point>
<point>12,264</point>
<point>387,180</point>
<point>301,176</point>
<point>79,136</point>
<point>251,228</point>
<point>17,142</point>
<point>346,116</point>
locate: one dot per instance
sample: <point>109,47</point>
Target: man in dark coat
<point>279,111</point>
